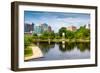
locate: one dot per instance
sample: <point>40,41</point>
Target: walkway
<point>37,53</point>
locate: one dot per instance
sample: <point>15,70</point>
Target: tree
<point>51,35</point>
<point>69,34</point>
<point>27,40</point>
<point>35,36</point>
<point>62,30</point>
<point>47,35</point>
<point>82,33</point>
<point>57,36</point>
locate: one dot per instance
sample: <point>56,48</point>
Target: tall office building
<point>37,29</point>
<point>33,26</point>
<point>44,27</point>
<point>28,28</point>
<point>49,28</point>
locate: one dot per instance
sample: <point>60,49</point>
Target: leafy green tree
<point>57,36</point>
<point>35,36</point>
<point>62,30</point>
<point>27,40</point>
<point>82,33</point>
<point>69,34</point>
<point>51,35</point>
<point>47,35</point>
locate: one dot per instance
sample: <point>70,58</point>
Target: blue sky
<point>56,19</point>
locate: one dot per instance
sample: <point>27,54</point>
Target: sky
<point>56,19</point>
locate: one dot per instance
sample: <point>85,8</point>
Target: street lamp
<point>63,35</point>
<point>63,38</point>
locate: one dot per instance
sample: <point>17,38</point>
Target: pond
<point>64,51</point>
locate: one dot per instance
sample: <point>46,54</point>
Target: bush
<point>27,40</point>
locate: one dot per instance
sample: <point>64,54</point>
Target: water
<point>64,51</point>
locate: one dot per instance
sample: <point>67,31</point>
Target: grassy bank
<point>60,40</point>
<point>28,50</point>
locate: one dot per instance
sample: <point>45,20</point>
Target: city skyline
<point>56,19</point>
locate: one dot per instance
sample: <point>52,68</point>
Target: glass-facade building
<point>32,28</point>
<point>38,29</point>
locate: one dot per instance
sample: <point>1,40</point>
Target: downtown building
<point>28,28</point>
<point>71,28</point>
<point>37,29</point>
<point>42,28</point>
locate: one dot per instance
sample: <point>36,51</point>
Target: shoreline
<point>37,53</point>
<point>61,40</point>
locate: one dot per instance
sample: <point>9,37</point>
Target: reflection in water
<point>68,47</point>
<point>60,51</point>
<point>46,47</point>
<point>83,46</point>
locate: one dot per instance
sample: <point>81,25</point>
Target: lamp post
<point>63,35</point>
<point>63,38</point>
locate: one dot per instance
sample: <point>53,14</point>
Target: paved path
<point>37,53</point>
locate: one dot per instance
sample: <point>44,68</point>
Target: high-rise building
<point>33,26</point>
<point>44,27</point>
<point>28,28</point>
<point>71,28</point>
<point>49,28</point>
<point>37,29</point>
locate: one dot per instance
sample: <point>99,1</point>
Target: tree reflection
<point>45,47</point>
<point>66,47</point>
<point>62,47</point>
<point>83,46</point>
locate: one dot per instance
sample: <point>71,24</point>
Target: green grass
<point>67,40</point>
<point>28,52</point>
